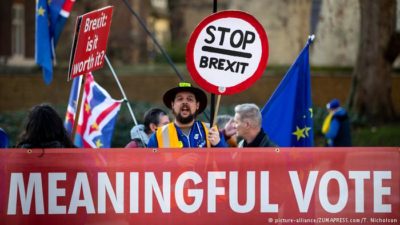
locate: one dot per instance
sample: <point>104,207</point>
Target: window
<point>18,31</point>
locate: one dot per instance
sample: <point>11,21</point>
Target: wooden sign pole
<point>78,107</point>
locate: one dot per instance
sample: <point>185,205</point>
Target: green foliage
<point>383,135</point>
<point>12,124</point>
<point>177,52</point>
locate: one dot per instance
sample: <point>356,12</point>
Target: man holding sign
<point>186,102</point>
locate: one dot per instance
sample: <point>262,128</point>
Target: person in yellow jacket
<point>186,102</point>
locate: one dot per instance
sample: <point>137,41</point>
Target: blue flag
<point>287,116</point>
<point>60,10</point>
<point>43,46</point>
<point>50,20</point>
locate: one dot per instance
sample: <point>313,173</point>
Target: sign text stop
<point>227,52</point>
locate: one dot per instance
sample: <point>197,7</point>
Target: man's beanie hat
<point>333,104</point>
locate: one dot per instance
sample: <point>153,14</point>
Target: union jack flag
<point>97,116</point>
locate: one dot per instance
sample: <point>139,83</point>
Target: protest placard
<point>227,52</point>
<point>90,42</point>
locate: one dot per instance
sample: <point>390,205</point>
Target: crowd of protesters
<point>45,129</point>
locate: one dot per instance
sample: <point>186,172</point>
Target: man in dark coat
<point>248,125</point>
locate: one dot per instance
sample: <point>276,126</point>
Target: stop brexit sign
<point>227,52</point>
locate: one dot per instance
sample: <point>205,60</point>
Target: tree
<point>379,47</point>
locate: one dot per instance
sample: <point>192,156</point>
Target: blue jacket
<point>196,139</point>
<point>339,129</point>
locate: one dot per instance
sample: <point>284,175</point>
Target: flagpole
<point>216,109</point>
<point>78,107</point>
<point>311,38</point>
<point>214,106</point>
<point>163,52</point>
<point>213,111</point>
<point>122,90</point>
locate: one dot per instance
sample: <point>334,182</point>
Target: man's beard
<point>185,120</point>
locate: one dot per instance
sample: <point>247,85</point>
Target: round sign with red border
<point>227,52</point>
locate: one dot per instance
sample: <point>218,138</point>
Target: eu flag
<point>43,47</point>
<point>287,116</point>
<point>50,20</point>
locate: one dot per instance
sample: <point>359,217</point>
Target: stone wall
<point>22,91</point>
<point>287,23</point>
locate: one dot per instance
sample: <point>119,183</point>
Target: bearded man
<point>186,102</point>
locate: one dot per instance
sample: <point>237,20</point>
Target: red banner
<point>90,41</point>
<point>192,186</point>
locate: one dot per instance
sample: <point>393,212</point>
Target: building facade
<point>287,23</point>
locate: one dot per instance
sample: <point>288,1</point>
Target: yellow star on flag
<point>299,133</point>
<point>95,126</point>
<point>306,129</point>
<point>41,11</point>
<point>311,112</point>
<point>87,107</point>
<point>98,143</point>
